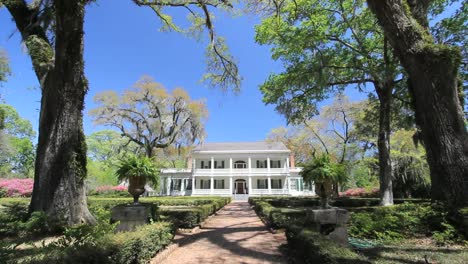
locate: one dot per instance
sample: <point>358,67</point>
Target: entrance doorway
<point>240,187</point>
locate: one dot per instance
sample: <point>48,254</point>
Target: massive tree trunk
<point>383,143</point>
<point>61,152</point>
<point>433,72</point>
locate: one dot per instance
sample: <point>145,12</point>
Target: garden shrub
<point>387,223</point>
<point>16,187</point>
<point>141,245</point>
<point>110,191</point>
<point>134,247</point>
<point>15,221</point>
<point>309,246</point>
<point>181,217</point>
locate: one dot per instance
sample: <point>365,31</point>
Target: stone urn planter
<point>136,187</point>
<point>138,171</point>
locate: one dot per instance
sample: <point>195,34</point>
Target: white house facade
<point>237,168</point>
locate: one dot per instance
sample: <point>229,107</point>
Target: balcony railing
<point>269,192</point>
<point>228,172</point>
<point>208,192</point>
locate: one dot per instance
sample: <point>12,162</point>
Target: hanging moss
<point>40,51</point>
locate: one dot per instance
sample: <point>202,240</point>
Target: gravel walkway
<point>234,235</point>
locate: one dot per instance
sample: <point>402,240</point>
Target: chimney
<point>292,161</point>
<point>189,163</point>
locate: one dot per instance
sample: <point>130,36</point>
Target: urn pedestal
<point>131,216</point>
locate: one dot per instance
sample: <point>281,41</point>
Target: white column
<point>193,185</point>
<point>182,185</point>
<point>268,164</point>
<point>212,164</point>
<point>168,187</point>
<point>194,164</point>
<point>211,185</point>
<point>289,184</point>
<point>230,164</point>
<point>250,164</point>
<point>286,166</point>
<point>269,184</point>
<point>230,185</point>
<point>250,185</point>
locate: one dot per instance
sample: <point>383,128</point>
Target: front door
<point>240,187</point>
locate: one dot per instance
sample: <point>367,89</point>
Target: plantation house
<point>237,168</point>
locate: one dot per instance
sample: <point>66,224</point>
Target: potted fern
<point>324,173</point>
<point>138,171</point>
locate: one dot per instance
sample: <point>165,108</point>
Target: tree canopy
<point>151,117</point>
<point>16,148</point>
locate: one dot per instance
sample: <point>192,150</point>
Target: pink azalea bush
<point>16,187</point>
<point>362,192</point>
<point>108,190</point>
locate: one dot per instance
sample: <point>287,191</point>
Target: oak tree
<point>53,33</point>
<point>433,70</point>
<point>327,46</point>
<point>151,117</point>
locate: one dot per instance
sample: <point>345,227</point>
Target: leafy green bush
<point>181,217</point>
<point>387,223</point>
<point>311,247</point>
<point>134,247</point>
<point>15,221</point>
<point>3,193</point>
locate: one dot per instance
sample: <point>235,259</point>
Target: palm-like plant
<point>324,173</point>
<point>138,171</point>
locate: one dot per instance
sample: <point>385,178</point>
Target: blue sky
<point>123,42</point>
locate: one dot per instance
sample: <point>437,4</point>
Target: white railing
<point>221,191</point>
<point>269,192</point>
<point>209,191</point>
<point>239,172</point>
<point>201,191</point>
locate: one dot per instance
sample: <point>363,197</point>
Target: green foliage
<point>17,151</point>
<point>135,166</point>
<point>324,46</point>
<point>15,221</point>
<point>322,170</point>
<point>4,69</point>
<point>312,247</point>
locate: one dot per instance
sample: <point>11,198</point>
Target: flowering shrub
<point>363,192</point>
<point>16,187</point>
<point>107,190</point>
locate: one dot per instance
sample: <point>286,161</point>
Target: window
<point>188,183</point>
<point>262,184</point>
<point>240,164</point>
<point>176,184</point>
<point>276,184</point>
<point>205,184</point>
<point>293,184</point>
<point>219,184</point>
<point>219,165</point>
<point>275,163</point>
<point>261,164</point>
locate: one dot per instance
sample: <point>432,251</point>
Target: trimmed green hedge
<point>311,247</point>
<point>134,247</point>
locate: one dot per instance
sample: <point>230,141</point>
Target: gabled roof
<point>238,147</point>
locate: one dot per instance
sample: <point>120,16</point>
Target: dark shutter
<point>216,164</point>
<point>222,184</point>
<point>265,164</point>
<point>222,164</point>
<point>280,185</point>
<point>279,163</point>
<point>202,164</point>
